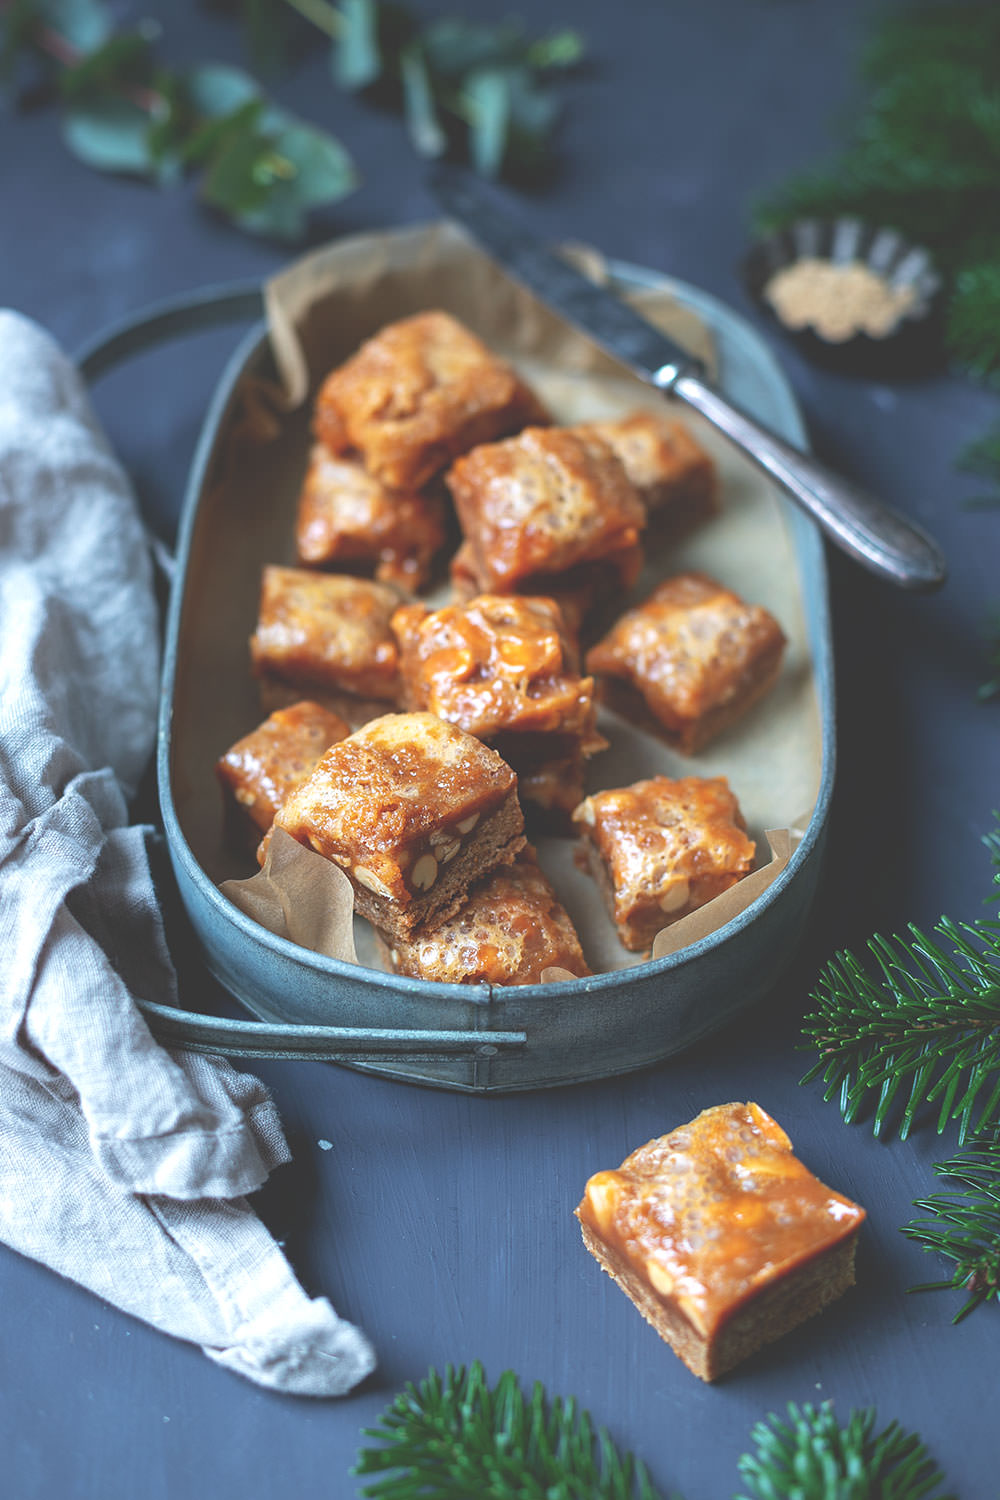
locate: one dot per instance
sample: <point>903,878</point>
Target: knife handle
<point>878,538</point>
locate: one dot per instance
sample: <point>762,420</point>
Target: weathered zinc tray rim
<point>812,565</point>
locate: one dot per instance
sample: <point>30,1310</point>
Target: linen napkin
<point>122,1166</point>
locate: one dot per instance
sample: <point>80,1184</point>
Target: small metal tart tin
<point>911,345</point>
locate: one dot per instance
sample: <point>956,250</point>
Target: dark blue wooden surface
<point>441,1223</point>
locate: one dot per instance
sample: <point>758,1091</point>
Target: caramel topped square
<point>498,663</point>
<point>510,929</point>
<point>413,810</point>
<point>546,501</point>
<point>660,849</point>
<point>325,630</point>
<point>265,766</point>
<point>696,653</point>
<point>347,516</point>
<point>418,394</point>
<point>721,1236</point>
<point>674,475</point>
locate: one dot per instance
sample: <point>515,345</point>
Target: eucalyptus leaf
<point>455,47</point>
<point>85,24</point>
<point>323,170</point>
<point>357,57</point>
<point>423,121</point>
<point>111,134</point>
<point>487,93</point>
<point>217,90</point>
<point>563,49</point>
<point>123,59</point>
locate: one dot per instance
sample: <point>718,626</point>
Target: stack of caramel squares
<point>503,667</point>
<point>387,422</point>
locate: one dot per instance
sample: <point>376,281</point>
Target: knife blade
<point>880,539</point>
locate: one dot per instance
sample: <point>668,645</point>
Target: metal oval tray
<point>473,1038</point>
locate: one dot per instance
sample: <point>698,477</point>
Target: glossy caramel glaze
<point>716,1212</point>
<point>263,768</point>
<point>666,464</point>
<point>665,848</point>
<point>346,515</point>
<point>511,928</point>
<point>544,502</point>
<point>327,630</point>
<point>693,649</point>
<point>418,394</point>
<point>402,788</point>
<point>496,663</point>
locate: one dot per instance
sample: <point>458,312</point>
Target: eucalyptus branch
<point>965,1224</point>
<point>126,113</point>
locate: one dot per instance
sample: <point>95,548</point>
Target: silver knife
<point>878,538</point>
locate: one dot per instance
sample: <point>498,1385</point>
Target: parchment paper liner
<point>319,310</point>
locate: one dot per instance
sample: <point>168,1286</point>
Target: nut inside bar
<point>413,810</point>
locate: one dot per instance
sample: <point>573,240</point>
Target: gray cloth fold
<point>122,1165</point>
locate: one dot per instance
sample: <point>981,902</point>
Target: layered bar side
<point>721,1237</point>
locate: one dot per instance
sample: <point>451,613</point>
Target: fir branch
<point>452,1438</point>
<point>965,1224</point>
<point>927,1022</point>
<point>810,1457</point>
<point>458,1437</point>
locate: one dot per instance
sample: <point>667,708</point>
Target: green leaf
<point>357,56</point>
<point>218,90</point>
<point>455,47</point>
<point>266,31</point>
<point>563,49</point>
<point>323,170</point>
<point>110,134</point>
<point>266,171</point>
<point>123,59</point>
<point>85,24</point>
<point>488,101</point>
<point>423,121</point>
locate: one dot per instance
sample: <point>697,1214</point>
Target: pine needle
<point>810,1457</point>
<point>922,1029</point>
<point>457,1437</point>
<point>965,1224</point>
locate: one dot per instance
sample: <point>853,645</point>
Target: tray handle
<point>189,312</point>
<point>201,1033</point>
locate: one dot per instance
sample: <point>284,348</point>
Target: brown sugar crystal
<point>721,1237</point>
